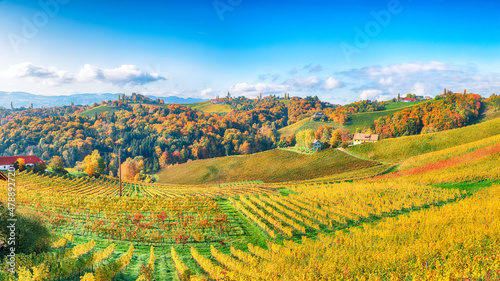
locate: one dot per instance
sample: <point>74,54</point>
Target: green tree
<point>57,165</point>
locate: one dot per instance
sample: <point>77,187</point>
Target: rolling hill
<point>207,107</point>
<point>270,166</point>
<point>398,149</point>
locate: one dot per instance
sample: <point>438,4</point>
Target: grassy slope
<point>207,107</point>
<point>269,166</point>
<point>304,124</point>
<point>365,119</point>
<point>99,110</point>
<point>401,148</point>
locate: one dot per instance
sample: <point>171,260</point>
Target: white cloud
<point>385,81</point>
<point>419,89</point>
<point>125,74</point>
<point>332,83</point>
<point>45,76</point>
<point>207,93</point>
<point>370,94</point>
<point>255,89</point>
<point>51,76</point>
<point>408,68</point>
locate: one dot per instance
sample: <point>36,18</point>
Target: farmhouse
<point>407,99</point>
<point>8,161</point>
<point>217,101</point>
<point>364,138</point>
<point>317,115</point>
<point>317,144</point>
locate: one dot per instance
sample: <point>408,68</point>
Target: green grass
<point>207,107</point>
<point>399,105</point>
<point>270,166</point>
<point>365,119</point>
<point>304,124</point>
<point>99,110</point>
<point>398,149</point>
<point>470,187</point>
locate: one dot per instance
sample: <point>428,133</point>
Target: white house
<point>317,144</point>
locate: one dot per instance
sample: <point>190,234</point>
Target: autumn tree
<point>94,164</point>
<point>335,139</point>
<point>57,165</point>
<point>20,164</point>
<point>305,138</point>
<point>131,167</point>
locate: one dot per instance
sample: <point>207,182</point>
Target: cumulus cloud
<point>332,83</point>
<point>51,76</point>
<point>423,79</point>
<point>207,93</point>
<point>255,89</point>
<point>45,76</point>
<point>123,75</point>
<point>370,94</point>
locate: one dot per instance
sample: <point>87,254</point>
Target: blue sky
<point>340,50</point>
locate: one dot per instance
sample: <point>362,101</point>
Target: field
<point>304,124</point>
<point>207,107</point>
<point>365,119</point>
<point>398,149</point>
<point>99,110</point>
<point>270,166</point>
<point>433,216</point>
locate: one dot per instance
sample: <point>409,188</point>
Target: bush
<point>32,236</point>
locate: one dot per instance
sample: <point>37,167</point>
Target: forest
<point>152,135</point>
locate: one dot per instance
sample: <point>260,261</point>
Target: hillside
<point>304,124</point>
<point>398,149</point>
<point>207,107</point>
<point>99,110</point>
<point>365,119</point>
<point>270,166</point>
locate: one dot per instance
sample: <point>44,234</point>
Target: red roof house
<point>8,161</point>
<point>217,101</point>
<point>407,99</point>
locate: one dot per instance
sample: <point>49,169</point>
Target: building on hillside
<point>364,138</point>
<point>317,115</point>
<point>317,144</point>
<point>217,101</point>
<point>8,161</point>
<point>420,97</point>
<point>428,97</point>
<point>407,99</point>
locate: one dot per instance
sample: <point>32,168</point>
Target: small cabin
<point>317,144</point>
<point>317,115</point>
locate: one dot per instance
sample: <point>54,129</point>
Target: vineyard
<point>434,217</point>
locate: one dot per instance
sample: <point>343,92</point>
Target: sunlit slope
<point>398,149</point>
<point>270,166</point>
